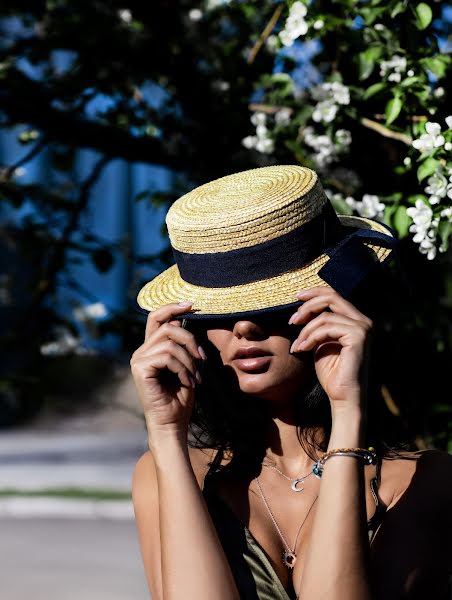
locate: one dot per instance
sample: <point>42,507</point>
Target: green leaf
<point>374,89</point>
<point>393,108</point>
<point>437,65</point>
<point>444,230</point>
<point>398,8</point>
<point>367,60</point>
<point>423,14</point>
<point>401,221</point>
<point>409,81</point>
<point>428,167</point>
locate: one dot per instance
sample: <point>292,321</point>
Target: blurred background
<point>109,111</point>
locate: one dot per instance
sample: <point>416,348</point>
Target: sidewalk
<point>90,455</point>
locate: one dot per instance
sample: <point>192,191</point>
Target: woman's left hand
<point>339,334</point>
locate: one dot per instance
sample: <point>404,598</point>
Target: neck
<point>284,450</point>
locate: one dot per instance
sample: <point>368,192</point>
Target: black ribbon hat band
<point>322,234</point>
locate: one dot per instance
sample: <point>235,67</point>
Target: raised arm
<point>182,554</point>
<point>337,561</point>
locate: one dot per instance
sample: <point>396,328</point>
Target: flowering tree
<point>356,89</point>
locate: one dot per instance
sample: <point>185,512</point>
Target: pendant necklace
<point>289,556</point>
<point>295,481</point>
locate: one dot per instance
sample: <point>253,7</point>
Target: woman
<point>254,344</point>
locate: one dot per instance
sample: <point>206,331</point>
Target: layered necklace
<point>294,482</point>
<point>289,555</point>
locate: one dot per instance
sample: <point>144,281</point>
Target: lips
<point>250,352</point>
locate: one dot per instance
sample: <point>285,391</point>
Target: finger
<point>162,315</point>
<point>319,298</point>
<point>344,334</point>
<point>181,336</point>
<point>325,318</point>
<point>178,368</point>
<point>155,357</point>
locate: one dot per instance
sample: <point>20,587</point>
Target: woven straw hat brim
<point>278,291</point>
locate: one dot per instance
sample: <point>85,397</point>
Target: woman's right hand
<point>165,374</point>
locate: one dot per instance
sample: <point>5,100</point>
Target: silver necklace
<point>295,481</point>
<point>289,556</point>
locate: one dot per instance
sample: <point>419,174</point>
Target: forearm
<point>193,562</point>
<point>336,566</point>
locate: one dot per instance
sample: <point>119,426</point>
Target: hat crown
<point>245,209</point>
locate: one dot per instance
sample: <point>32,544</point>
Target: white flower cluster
<point>89,312</point>
<point>370,206</point>
<point>327,149</point>
<point>295,24</point>
<point>439,187</point>
<point>395,66</point>
<point>125,15</point>
<point>262,142</point>
<point>329,96</point>
<point>433,138</point>
<point>425,228</point>
<point>65,344</point>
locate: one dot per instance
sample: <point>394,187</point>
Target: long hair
<point>225,419</point>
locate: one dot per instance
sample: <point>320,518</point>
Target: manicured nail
<point>202,353</point>
<point>292,348</point>
<point>185,304</point>
<point>198,376</point>
<point>301,294</point>
<point>292,318</point>
<point>192,381</point>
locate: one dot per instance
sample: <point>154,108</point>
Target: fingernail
<point>185,304</point>
<point>202,353</point>
<point>292,318</point>
<point>198,376</point>
<point>292,348</point>
<point>301,294</point>
<point>192,381</point>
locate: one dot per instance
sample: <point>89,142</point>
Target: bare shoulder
<point>427,473</point>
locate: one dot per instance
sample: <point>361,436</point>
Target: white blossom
<point>318,24</point>
<point>97,310</point>
<point>439,92</point>
<point>424,227</point>
<point>271,42</point>
<point>343,137</point>
<point>407,161</point>
<point>449,121</point>
<point>325,151</point>
<point>430,140</point>
<point>262,141</point>
<point>125,15</point>
<point>370,206</point>
<point>258,118</point>
<point>395,67</point>
<point>448,146</point>
<point>437,187</point>
<point>195,14</point>
<point>410,73</point>
<point>249,142</point>
<point>324,112</point>
<point>66,343</point>
<point>282,116</point>
<point>295,24</point>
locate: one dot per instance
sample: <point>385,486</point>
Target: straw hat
<point>247,242</point>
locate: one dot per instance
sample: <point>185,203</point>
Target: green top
<point>254,575</point>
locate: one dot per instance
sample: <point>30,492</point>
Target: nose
<point>249,330</point>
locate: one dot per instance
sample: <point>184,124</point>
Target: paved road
<point>58,559</point>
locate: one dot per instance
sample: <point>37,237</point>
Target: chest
<point>406,561</point>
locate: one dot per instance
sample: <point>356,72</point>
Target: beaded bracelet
<point>368,456</point>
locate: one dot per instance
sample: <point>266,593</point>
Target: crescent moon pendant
<point>294,484</point>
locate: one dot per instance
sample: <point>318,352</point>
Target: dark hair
<point>224,419</point>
